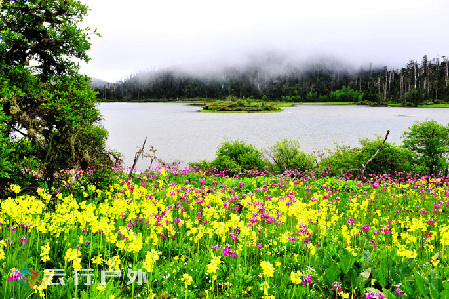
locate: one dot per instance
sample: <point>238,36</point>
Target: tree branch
<point>362,174</point>
<point>136,158</point>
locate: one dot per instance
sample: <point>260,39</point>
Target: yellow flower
<point>296,277</point>
<point>434,261</point>
<point>150,259</point>
<point>45,252</point>
<point>214,263</point>
<point>15,188</point>
<point>187,279</point>
<point>267,268</point>
<point>114,263</point>
<point>101,287</point>
<point>97,260</point>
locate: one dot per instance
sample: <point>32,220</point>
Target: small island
<point>233,104</point>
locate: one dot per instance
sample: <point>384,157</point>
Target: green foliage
<point>5,148</point>
<point>234,104</point>
<point>48,109</point>
<point>285,155</point>
<point>346,94</point>
<point>414,97</point>
<point>430,141</point>
<point>391,158</point>
<point>312,97</point>
<point>237,155</point>
<point>340,160</point>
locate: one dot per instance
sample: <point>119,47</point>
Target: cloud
<point>143,34</point>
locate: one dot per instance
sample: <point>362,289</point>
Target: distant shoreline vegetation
<point>209,103</point>
<point>414,85</point>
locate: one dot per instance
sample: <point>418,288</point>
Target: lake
<point>179,131</point>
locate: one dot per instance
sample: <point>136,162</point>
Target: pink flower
<point>15,275</point>
<point>307,280</point>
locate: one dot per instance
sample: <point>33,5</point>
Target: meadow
<point>179,233</point>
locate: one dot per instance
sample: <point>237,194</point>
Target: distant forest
<point>416,83</point>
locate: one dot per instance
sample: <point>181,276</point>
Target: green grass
<point>434,106</point>
<point>335,103</point>
<point>339,103</point>
<point>266,111</point>
<point>286,104</point>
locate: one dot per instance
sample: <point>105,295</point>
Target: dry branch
<point>362,174</point>
<point>136,158</point>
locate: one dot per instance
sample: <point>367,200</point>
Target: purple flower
<point>374,295</point>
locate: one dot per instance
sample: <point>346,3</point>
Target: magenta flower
<point>15,275</point>
<point>307,280</point>
<point>398,290</point>
<point>233,236</point>
<point>374,295</point>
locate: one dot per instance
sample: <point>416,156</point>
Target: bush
<point>391,158</point>
<point>285,155</point>
<point>340,160</point>
<point>430,141</point>
<point>237,155</point>
<point>201,165</point>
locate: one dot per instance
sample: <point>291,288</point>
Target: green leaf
<point>346,262</point>
<point>421,284</point>
<point>434,292</point>
<point>332,273</point>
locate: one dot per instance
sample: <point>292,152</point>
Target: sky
<point>140,35</point>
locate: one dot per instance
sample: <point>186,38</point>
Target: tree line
<point>414,84</point>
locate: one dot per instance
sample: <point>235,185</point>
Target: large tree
<point>48,111</point>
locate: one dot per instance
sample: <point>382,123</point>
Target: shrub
<point>391,158</point>
<point>237,155</point>
<point>201,165</point>
<point>340,160</point>
<point>285,155</point>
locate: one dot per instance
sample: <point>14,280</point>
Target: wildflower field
<point>176,233</point>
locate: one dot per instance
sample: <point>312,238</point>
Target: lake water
<point>179,131</point>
